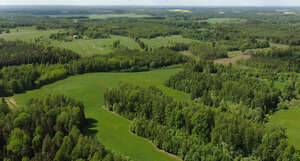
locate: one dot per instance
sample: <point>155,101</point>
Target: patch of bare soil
<point>11,102</point>
<point>232,59</point>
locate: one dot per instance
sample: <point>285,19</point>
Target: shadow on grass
<point>89,128</point>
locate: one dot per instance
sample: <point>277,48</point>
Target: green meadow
<point>110,129</point>
<point>106,16</point>
<point>224,20</point>
<point>290,120</point>
<point>26,34</point>
<point>81,46</point>
<point>95,46</point>
<point>167,40</point>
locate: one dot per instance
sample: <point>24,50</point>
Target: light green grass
<point>27,33</point>
<point>95,46</point>
<point>80,46</point>
<point>289,119</point>
<point>168,40</point>
<point>106,16</point>
<point>113,131</point>
<point>224,20</point>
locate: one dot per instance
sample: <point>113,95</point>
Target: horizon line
<point>137,5</point>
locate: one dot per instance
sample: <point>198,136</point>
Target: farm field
<point>26,34</point>
<point>81,46</point>
<point>224,20</point>
<point>112,130</point>
<point>168,40</point>
<point>180,10</point>
<point>95,46</point>
<point>102,16</point>
<point>290,120</point>
<point>106,16</point>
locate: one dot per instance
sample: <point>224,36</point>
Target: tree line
<point>213,84</point>
<point>20,52</point>
<point>196,131</point>
<point>16,79</point>
<point>49,128</point>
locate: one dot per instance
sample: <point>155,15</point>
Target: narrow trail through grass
<point>111,130</point>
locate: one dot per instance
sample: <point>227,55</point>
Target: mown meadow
<point>110,129</point>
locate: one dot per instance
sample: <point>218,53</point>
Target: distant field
<point>232,59</point>
<point>81,46</point>
<point>233,53</point>
<point>112,130</point>
<point>106,16</point>
<point>96,46</point>
<point>180,10</point>
<point>168,40</point>
<point>102,16</point>
<point>26,34</point>
<point>290,120</point>
<point>224,20</point>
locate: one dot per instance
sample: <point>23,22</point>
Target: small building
<point>75,36</point>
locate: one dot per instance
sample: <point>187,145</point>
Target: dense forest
<point>198,132</point>
<point>231,103</point>
<point>17,79</point>
<point>49,128</point>
<point>20,52</point>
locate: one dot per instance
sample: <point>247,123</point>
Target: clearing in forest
<point>290,120</point>
<point>111,130</point>
<point>163,41</point>
<point>83,47</point>
<point>180,10</point>
<point>232,59</point>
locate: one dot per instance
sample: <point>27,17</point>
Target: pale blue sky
<point>156,2</point>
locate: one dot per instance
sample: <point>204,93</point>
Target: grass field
<point>112,130</point>
<point>26,33</point>
<point>180,10</point>
<point>290,120</point>
<point>106,16</point>
<point>80,46</point>
<point>103,16</point>
<point>96,46</point>
<point>224,20</point>
<point>168,40</point>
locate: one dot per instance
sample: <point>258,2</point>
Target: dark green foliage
<point>49,128</point>
<point>80,32</point>
<point>212,84</point>
<point>123,59</point>
<point>276,60</point>
<point>17,79</point>
<point>116,44</point>
<point>193,132</point>
<point>208,51</point>
<point>19,52</point>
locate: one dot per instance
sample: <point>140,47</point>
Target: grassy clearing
<point>290,120</point>
<point>96,46</point>
<point>106,16</point>
<point>272,45</point>
<point>26,34</point>
<point>232,59</point>
<point>111,130</point>
<point>80,46</point>
<point>180,10</point>
<point>102,16</point>
<point>168,40</point>
<point>224,20</point>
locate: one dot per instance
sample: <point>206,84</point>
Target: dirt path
<point>232,59</point>
<point>11,102</point>
<point>187,53</point>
